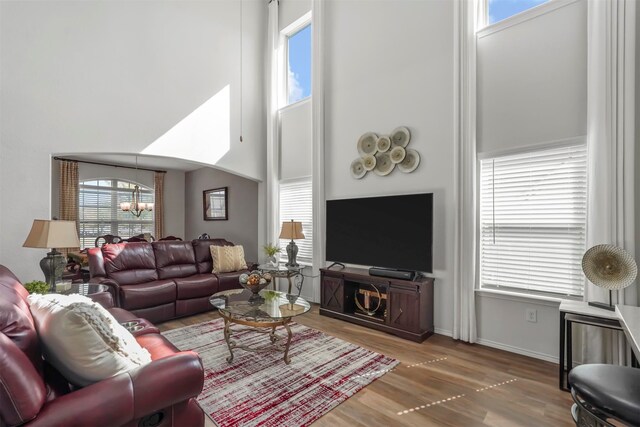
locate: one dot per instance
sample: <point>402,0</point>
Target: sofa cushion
<point>200,285</point>
<point>203,253</point>
<point>82,340</point>
<point>130,263</point>
<point>174,259</point>
<point>147,294</point>
<point>227,258</point>
<point>231,280</point>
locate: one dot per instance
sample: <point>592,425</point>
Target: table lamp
<point>291,230</point>
<point>609,267</point>
<point>52,234</point>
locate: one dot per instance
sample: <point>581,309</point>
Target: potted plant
<point>271,250</point>
<point>37,287</point>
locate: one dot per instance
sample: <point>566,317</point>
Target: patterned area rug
<point>259,389</point>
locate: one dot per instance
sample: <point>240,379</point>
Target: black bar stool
<point>603,393</point>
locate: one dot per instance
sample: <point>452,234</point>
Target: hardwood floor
<point>440,382</point>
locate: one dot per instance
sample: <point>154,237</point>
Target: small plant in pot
<point>37,287</point>
<point>271,251</point>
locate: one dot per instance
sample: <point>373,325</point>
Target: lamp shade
<point>291,230</point>
<point>52,234</point>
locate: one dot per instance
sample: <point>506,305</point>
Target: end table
<point>292,274</point>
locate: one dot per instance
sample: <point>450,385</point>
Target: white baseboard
<point>518,350</point>
<point>444,332</point>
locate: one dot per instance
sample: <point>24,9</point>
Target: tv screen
<point>390,232</point>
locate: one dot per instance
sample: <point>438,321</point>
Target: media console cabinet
<point>406,308</point>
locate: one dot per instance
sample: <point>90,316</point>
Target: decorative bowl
<point>255,282</point>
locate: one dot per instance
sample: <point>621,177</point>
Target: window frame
<point>287,32</point>
<point>114,207</point>
<point>513,292</point>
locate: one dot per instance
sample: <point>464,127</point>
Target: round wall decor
<point>381,154</point>
<point>367,144</point>
<point>357,168</point>
<point>410,162</point>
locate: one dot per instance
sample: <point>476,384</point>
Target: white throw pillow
<point>83,340</point>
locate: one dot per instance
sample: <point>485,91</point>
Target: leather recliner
<point>162,280</point>
<point>33,393</point>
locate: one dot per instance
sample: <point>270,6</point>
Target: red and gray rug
<point>259,389</point>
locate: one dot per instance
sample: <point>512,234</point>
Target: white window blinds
<point>99,210</point>
<point>533,212</point>
<point>296,204</point>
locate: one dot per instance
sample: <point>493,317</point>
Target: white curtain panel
<point>464,271</point>
<point>610,141</point>
<point>273,75</point>
<point>317,129</point>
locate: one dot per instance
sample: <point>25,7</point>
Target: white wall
<point>532,88</point>
<point>637,147</point>
<point>106,76</point>
<point>389,64</point>
<point>242,226</point>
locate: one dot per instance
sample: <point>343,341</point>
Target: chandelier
<point>136,206</point>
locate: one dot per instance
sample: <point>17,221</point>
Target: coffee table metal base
<point>276,342</point>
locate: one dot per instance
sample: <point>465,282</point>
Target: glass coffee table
<point>261,313</point>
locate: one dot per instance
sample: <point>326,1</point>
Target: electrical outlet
<point>531,315</point>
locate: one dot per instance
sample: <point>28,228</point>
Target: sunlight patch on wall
<point>203,136</point>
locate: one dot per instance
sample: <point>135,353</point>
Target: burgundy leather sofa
<point>161,280</point>
<point>32,393</point>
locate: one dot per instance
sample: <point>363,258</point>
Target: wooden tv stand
<point>409,304</point>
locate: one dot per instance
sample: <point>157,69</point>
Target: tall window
<point>99,210</point>
<point>533,212</point>
<point>296,204</point>
<point>497,10</point>
<point>299,65</point>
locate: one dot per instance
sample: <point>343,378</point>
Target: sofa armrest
<point>105,299</point>
<point>182,370</point>
<point>114,287</point>
<point>128,396</point>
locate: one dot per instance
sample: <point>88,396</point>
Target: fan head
<point>609,267</point>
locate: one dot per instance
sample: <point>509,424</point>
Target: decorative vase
<point>272,261</point>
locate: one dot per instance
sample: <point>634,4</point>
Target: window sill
<point>547,300</point>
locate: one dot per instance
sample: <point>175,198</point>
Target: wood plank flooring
<point>440,382</point>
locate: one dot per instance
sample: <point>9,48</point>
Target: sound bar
<point>392,273</point>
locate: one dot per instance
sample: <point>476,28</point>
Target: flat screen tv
<point>390,232</point>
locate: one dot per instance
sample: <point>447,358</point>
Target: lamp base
<point>292,253</point>
<point>52,266</point>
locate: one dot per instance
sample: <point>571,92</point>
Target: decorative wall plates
<point>401,136</point>
<point>357,168</point>
<point>397,154</point>
<point>410,162</point>
<point>369,162</point>
<point>384,165</point>
<point>382,154</point>
<point>383,144</point>
<point>367,144</point>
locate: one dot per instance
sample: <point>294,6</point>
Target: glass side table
<point>80,288</point>
<point>292,274</point>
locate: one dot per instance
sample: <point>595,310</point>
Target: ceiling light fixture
<point>136,206</point>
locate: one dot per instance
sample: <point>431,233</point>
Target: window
<point>533,211</point>
<point>99,210</point>
<point>503,9</point>
<point>299,65</point>
<point>296,204</point>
